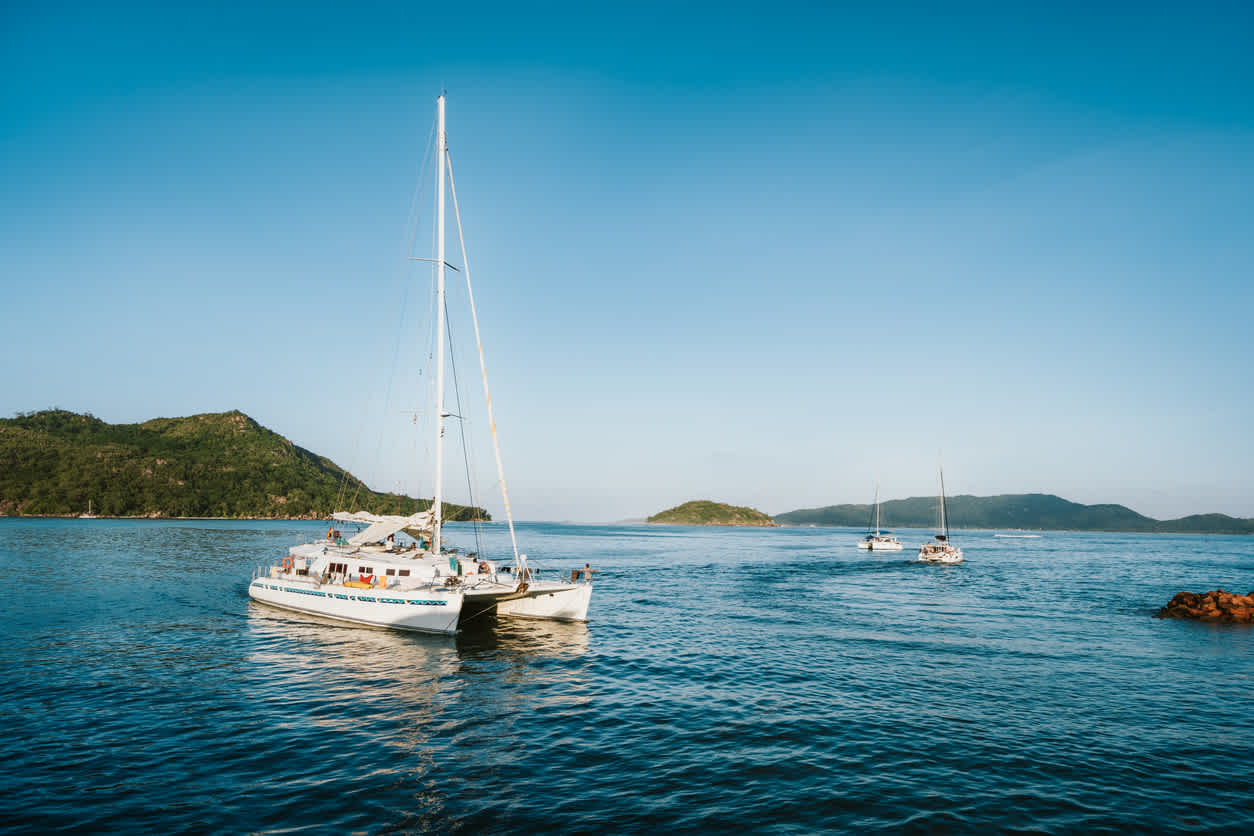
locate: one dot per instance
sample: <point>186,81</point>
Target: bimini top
<point>381,526</point>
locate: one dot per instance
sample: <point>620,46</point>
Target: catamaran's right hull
<point>562,602</point>
<point>423,611</point>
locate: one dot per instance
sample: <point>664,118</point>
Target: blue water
<point>754,680</point>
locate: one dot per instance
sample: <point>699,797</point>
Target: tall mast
<point>877,508</point>
<point>441,144</point>
<point>944,527</point>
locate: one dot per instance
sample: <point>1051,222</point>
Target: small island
<point>706,512</point>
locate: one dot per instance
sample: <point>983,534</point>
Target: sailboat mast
<point>877,509</point>
<point>944,525</point>
<point>438,502</point>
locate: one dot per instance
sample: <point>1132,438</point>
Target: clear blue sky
<point>760,253</point>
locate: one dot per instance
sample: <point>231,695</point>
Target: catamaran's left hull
<point>423,611</point>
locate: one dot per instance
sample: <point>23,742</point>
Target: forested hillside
<point>1011,511</point>
<point>706,512</point>
<point>215,465</point>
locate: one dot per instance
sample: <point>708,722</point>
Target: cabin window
<point>337,568</point>
<point>404,573</point>
<point>391,572</point>
<point>366,570</point>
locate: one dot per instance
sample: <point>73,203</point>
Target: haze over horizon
<point>760,254</point>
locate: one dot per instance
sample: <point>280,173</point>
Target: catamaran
<point>876,540</point>
<point>940,549</point>
<point>396,570</point>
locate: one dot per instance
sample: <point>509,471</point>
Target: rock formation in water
<point>1211,606</point>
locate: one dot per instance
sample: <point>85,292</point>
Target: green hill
<point>216,465</point>
<point>1031,511</point>
<point>705,512</point>
<point>1208,524</point>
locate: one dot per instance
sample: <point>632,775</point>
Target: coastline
<point>849,528</point>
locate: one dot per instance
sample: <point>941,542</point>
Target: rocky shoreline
<point>1217,605</point>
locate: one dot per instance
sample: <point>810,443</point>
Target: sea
<point>728,680</point>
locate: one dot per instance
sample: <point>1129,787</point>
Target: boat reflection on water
<point>487,635</point>
<point>322,663</point>
<point>490,636</point>
<point>336,671</point>
<point>544,663</point>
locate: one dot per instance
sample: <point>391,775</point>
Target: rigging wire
<point>411,230</point>
<point>457,397</point>
<point>487,395</point>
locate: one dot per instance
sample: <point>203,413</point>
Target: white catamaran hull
<point>424,610</point>
<point>877,546</point>
<point>564,602</point>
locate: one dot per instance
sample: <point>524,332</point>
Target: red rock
<point>1216,605</point>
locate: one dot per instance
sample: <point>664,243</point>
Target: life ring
<point>288,563</point>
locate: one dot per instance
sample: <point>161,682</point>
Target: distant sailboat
<point>876,540</point>
<point>941,550</point>
<point>89,515</point>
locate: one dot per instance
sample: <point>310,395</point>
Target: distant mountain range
<point>1010,511</point>
<point>53,463</point>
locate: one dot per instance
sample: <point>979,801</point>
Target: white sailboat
<point>414,582</point>
<point>876,540</point>
<point>940,549</point>
<point>89,515</point>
